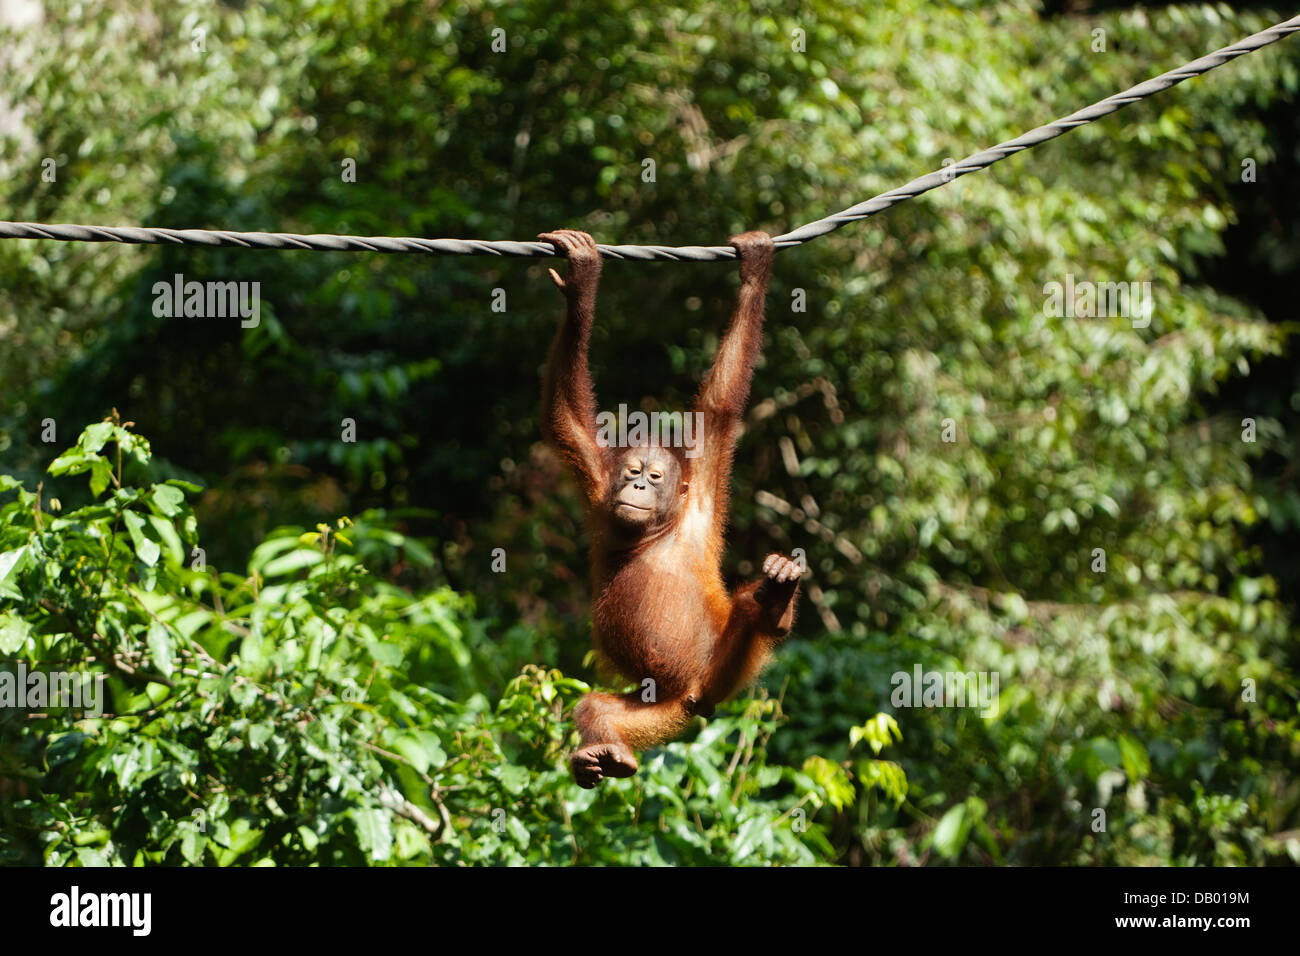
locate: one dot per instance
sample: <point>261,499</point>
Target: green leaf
<point>259,734</point>
<point>14,631</point>
<point>878,732</point>
<point>90,856</point>
<point>168,499</point>
<point>885,774</point>
<point>193,843</point>
<point>166,532</point>
<point>145,549</point>
<point>1134,756</point>
<point>385,653</point>
<point>75,462</point>
<point>234,840</point>
<point>515,827</point>
<point>424,750</point>
<point>64,748</point>
<point>950,835</point>
<point>514,779</point>
<point>374,832</point>
<point>95,436</point>
<point>831,780</point>
<point>12,562</point>
<point>160,648</point>
<point>293,561</point>
<point>750,834</point>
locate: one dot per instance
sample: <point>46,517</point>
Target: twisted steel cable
<point>536,249</point>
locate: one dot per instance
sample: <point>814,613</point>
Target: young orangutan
<point>656,519</point>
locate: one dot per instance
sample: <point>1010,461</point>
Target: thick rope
<point>505,247</point>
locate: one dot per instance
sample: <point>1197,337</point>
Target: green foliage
<point>310,713</point>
